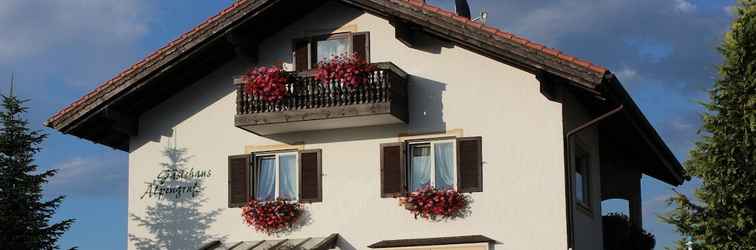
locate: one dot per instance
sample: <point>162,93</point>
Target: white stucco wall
<point>522,203</point>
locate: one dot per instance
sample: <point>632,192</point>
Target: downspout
<point>569,170</point>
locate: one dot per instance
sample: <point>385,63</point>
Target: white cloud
<point>36,27</point>
<point>104,175</point>
<point>684,6</point>
<point>627,74</point>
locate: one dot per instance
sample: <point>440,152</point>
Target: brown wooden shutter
<point>301,55</point>
<point>469,164</point>
<point>393,169</point>
<point>361,45</point>
<point>238,180</point>
<point>310,176</point>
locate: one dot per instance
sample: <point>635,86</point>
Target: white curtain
<point>266,179</point>
<point>444,153</point>
<point>287,177</point>
<point>420,167</point>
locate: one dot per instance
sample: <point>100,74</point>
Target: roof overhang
<point>312,243</point>
<point>634,131</point>
<point>438,241</point>
<point>109,114</point>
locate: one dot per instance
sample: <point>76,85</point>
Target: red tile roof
<point>213,21</point>
<point>521,40</point>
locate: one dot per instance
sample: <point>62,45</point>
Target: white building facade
<point>536,147</point>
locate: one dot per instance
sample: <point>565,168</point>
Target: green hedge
<point>620,234</point>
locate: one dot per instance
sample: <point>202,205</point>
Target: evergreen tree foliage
<point>723,215</point>
<point>24,216</point>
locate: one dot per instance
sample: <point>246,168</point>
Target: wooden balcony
<point>311,105</point>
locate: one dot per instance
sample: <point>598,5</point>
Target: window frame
<point>580,151</point>
<point>256,157</point>
<point>312,58</point>
<point>431,142</point>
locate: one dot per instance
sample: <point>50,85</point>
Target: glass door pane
<point>327,49</point>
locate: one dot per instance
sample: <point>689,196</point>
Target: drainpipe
<point>569,170</point>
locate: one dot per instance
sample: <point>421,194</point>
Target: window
<point>432,164</point>
<point>266,176</point>
<point>308,52</point>
<point>330,47</point>
<point>582,176</point>
<point>442,163</point>
<point>276,177</point>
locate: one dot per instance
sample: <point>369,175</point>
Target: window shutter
<point>238,180</point>
<point>361,45</point>
<point>310,176</point>
<point>469,164</point>
<point>393,169</point>
<point>301,55</point>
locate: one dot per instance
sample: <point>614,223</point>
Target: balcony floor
<point>361,115</point>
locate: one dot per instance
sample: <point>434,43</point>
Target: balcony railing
<point>312,105</point>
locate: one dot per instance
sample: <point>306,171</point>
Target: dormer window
<point>310,51</point>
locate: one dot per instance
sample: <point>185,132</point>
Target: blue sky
<point>662,50</point>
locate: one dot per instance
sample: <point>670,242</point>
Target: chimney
<point>463,9</point>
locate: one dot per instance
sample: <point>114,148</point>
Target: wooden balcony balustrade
<point>312,105</point>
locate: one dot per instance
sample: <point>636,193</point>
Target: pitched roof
<point>241,7</point>
<point>84,117</point>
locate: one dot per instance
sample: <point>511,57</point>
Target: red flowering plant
<point>436,204</point>
<point>352,70</point>
<point>268,83</point>
<point>273,216</point>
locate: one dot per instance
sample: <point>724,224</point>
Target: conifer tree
<point>723,215</point>
<point>24,215</point>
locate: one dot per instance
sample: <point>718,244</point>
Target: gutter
<point>569,170</point>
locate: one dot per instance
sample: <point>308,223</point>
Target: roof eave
<point>652,138</point>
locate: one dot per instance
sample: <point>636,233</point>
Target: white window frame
<point>277,178</point>
<point>431,144</point>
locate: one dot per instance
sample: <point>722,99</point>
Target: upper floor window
<point>310,51</point>
<point>432,164</point>
<point>582,176</point>
<point>440,163</point>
